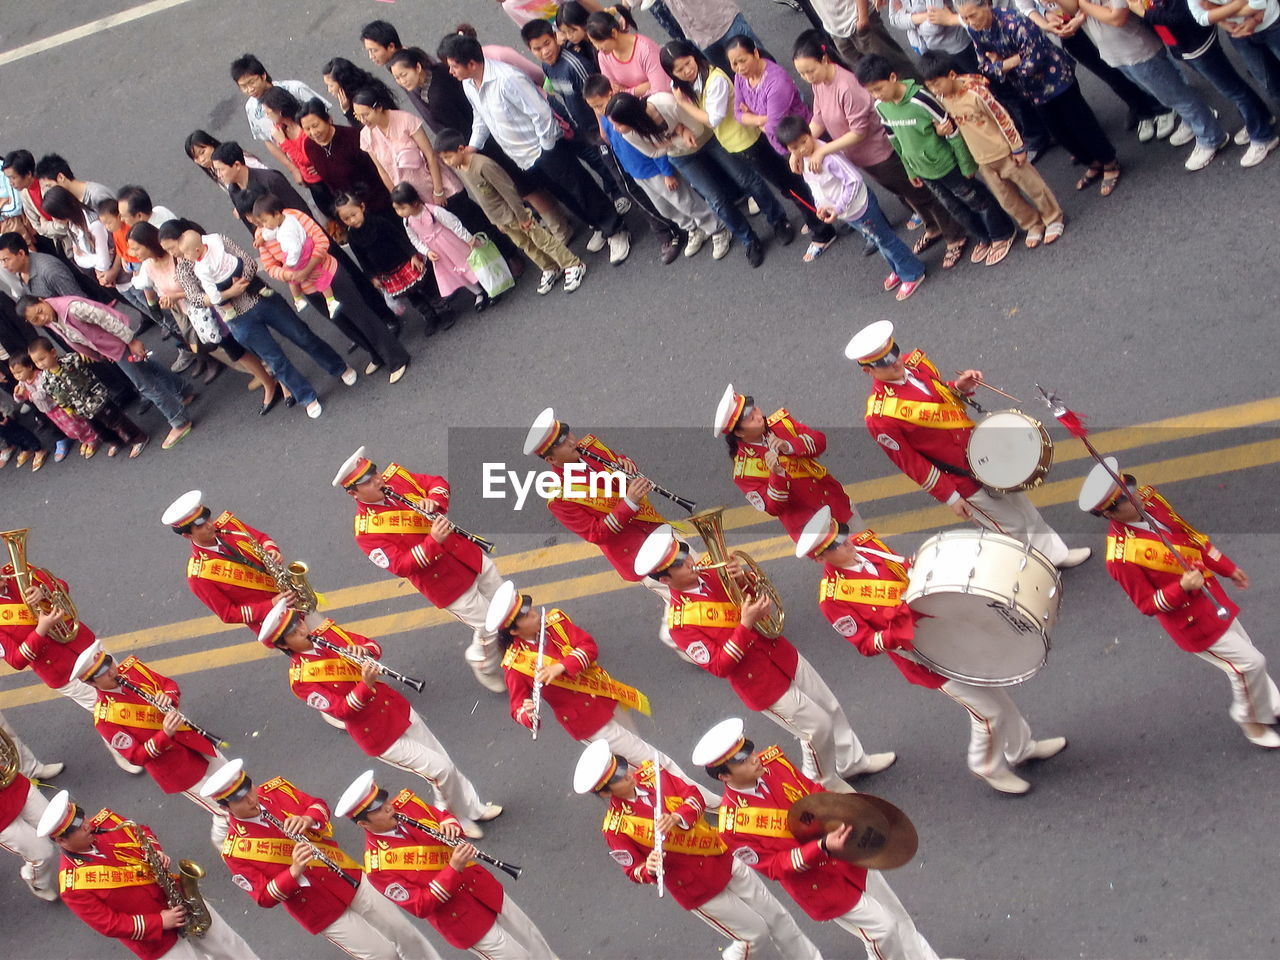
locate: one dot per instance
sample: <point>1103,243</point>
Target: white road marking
<point>88,29</point>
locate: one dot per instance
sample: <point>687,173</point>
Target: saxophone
<point>8,759</point>
<point>25,576</point>
<point>181,889</point>
<point>289,578</point>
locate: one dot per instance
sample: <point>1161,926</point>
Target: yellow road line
<point>1174,470</point>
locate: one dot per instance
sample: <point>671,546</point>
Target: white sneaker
<point>753,208</point>
<point>314,409</point>
<point>721,241</point>
<point>491,811</point>
<point>1075,557</point>
<point>547,282</point>
<point>622,205</point>
<point>876,762</point>
<point>596,243</point>
<point>1182,136</point>
<point>334,307</point>
<point>47,771</point>
<point>1258,152</point>
<point>470,829</point>
<point>619,247</point>
<point>1241,137</point>
<point>1006,782</point>
<point>1146,131</point>
<point>1044,749</point>
<point>1261,735</point>
<point>299,304</point>
<point>574,276</point>
<point>695,242</point>
<point>1202,156</point>
<point>1165,124</point>
<point>349,377</point>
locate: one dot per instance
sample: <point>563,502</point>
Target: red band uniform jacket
<point>581,714</point>
<point>229,580</point>
<point>48,659</point>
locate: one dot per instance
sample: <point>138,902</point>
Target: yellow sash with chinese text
<point>949,414</point>
<point>221,570</point>
<point>91,876</point>
<point>701,841</point>
<point>325,670</point>
<point>280,850</point>
<point>432,857</point>
<point>878,593</point>
<point>16,614</point>
<point>795,466</point>
<point>395,521</point>
<point>593,680</point>
<point>755,822</point>
<point>703,613</point>
<point>1152,554</point>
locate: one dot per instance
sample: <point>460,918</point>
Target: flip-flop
<point>172,441</point>
<point>1034,237</point>
<point>1054,231</point>
<point>924,243</point>
<point>815,250</point>
<point>135,450</point>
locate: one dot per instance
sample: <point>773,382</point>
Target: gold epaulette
<point>779,414</point>
<point>274,784</point>
<point>866,536</point>
<point>225,517</point>
<point>556,615</point>
<point>916,356</point>
<point>771,754</point>
<point>102,816</point>
<point>390,472</point>
<point>403,797</point>
<point>612,818</point>
<point>827,587</point>
<point>128,663</point>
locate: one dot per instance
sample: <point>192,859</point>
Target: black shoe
<point>290,402</point>
<point>784,232</point>
<point>755,253</point>
<point>271,404</point>
<point>446,322</point>
<point>870,249</point>
<point>393,327</point>
<point>670,250</point>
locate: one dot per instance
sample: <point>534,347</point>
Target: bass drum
<point>986,604</point>
<point>1010,451</point>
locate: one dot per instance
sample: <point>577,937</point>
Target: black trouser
<point>1074,125</point>
<point>367,292</point>
<point>559,171</point>
<point>970,202</point>
<point>891,175</point>
<point>15,434</point>
<point>776,170</point>
<point>366,330</point>
<point>1141,104</point>
<point>114,427</point>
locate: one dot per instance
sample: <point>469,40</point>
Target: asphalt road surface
<point>1149,837</point>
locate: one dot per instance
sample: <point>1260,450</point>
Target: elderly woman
<point>334,153</point>
<point>284,111</point>
<point>1011,47</point>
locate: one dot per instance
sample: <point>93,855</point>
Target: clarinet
<point>138,691</point>
<point>487,546</point>
<point>350,657</point>
<point>319,854</point>
<point>660,490</point>
<point>536,720</point>
<point>510,869</point>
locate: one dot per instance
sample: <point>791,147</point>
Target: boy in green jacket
<point>912,117</point>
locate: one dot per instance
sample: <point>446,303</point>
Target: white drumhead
<point>1006,449</point>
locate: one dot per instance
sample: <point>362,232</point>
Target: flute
<point>196,728</point>
<point>657,815</point>
<point>487,546</point>
<point>511,869</point>
<point>346,654</point>
<point>662,491</point>
<point>536,720</point>
<point>319,854</point>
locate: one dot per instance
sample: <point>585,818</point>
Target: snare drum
<point>1010,451</point>
<point>987,603</point>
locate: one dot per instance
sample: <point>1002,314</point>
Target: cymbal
<point>883,836</point>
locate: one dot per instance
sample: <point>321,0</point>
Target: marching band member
<point>775,462</point>
<point>446,568</point>
<point>28,764</point>
<point>26,642</point>
<point>759,789</point>
<point>378,718</point>
<point>696,867</point>
<point>768,674</point>
<point>1159,587</point>
<point>225,570</point>
<point>861,596</point>
<point>265,861</point>
<point>107,882</point>
<point>584,699</point>
<point>617,525</point>
<point>433,881</point>
<point>920,422</point>
<point>21,806</point>
<point>154,736</point>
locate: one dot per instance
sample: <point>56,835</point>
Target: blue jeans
<point>1214,66</point>
<point>718,190</point>
<point>1260,52</point>
<point>253,329</point>
<point>897,254</point>
<point>716,53</point>
<point>742,172</point>
<point>161,386</point>
<point>1161,77</point>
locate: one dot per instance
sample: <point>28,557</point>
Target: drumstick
<point>983,383</point>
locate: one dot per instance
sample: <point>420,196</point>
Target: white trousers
<point>218,831</point>
<point>1018,517</point>
<point>999,736</point>
<point>883,925</point>
<point>471,608</point>
<point>27,761</point>
<point>513,936</point>
<point>19,837</point>
<point>220,943</point>
<point>418,751</point>
<point>621,735</point>
<point>664,594</point>
<point>681,206</point>
<point>745,910</point>
<point>374,928</point>
<point>1254,698</point>
<point>828,745</point>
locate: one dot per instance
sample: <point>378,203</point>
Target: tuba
<point>710,526</point>
<point>25,575</point>
<point>8,759</point>
<point>181,889</point>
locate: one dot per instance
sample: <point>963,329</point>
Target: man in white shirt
<point>510,108</point>
<point>253,80</point>
<point>857,30</point>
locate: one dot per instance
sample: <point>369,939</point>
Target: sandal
<point>925,242</point>
<point>1110,180</point>
<point>954,252</point>
<point>1091,176</point>
<point>61,450</point>
<point>88,450</point>
<point>815,250</point>
<point>979,252</point>
<point>999,250</point>
<point>137,448</point>
<point>112,449</point>
<point>1034,237</point>
<point>1054,231</point>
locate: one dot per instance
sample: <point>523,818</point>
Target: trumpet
<point>536,720</point>
<point>64,630</point>
<point>319,854</point>
<point>510,869</point>
<point>346,654</point>
<point>710,526</point>
<point>660,490</point>
<point>139,692</point>
<point>487,546</point>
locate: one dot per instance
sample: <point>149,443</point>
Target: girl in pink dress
<point>439,236</point>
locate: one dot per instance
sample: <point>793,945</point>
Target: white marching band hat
<point>183,510</point>
<point>872,342</point>
<point>728,412</point>
<point>658,551</point>
<point>819,533</point>
<point>57,816</point>
<point>353,466</point>
<point>90,661</point>
<point>505,602</point>
<point>358,797</point>
<point>595,767</point>
<point>542,434</point>
<point>274,621</point>
<point>1099,489</point>
<point>719,743</point>
<point>224,781</point>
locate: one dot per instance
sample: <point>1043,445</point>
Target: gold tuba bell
<point>8,759</point>
<point>710,526</point>
<point>25,575</point>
